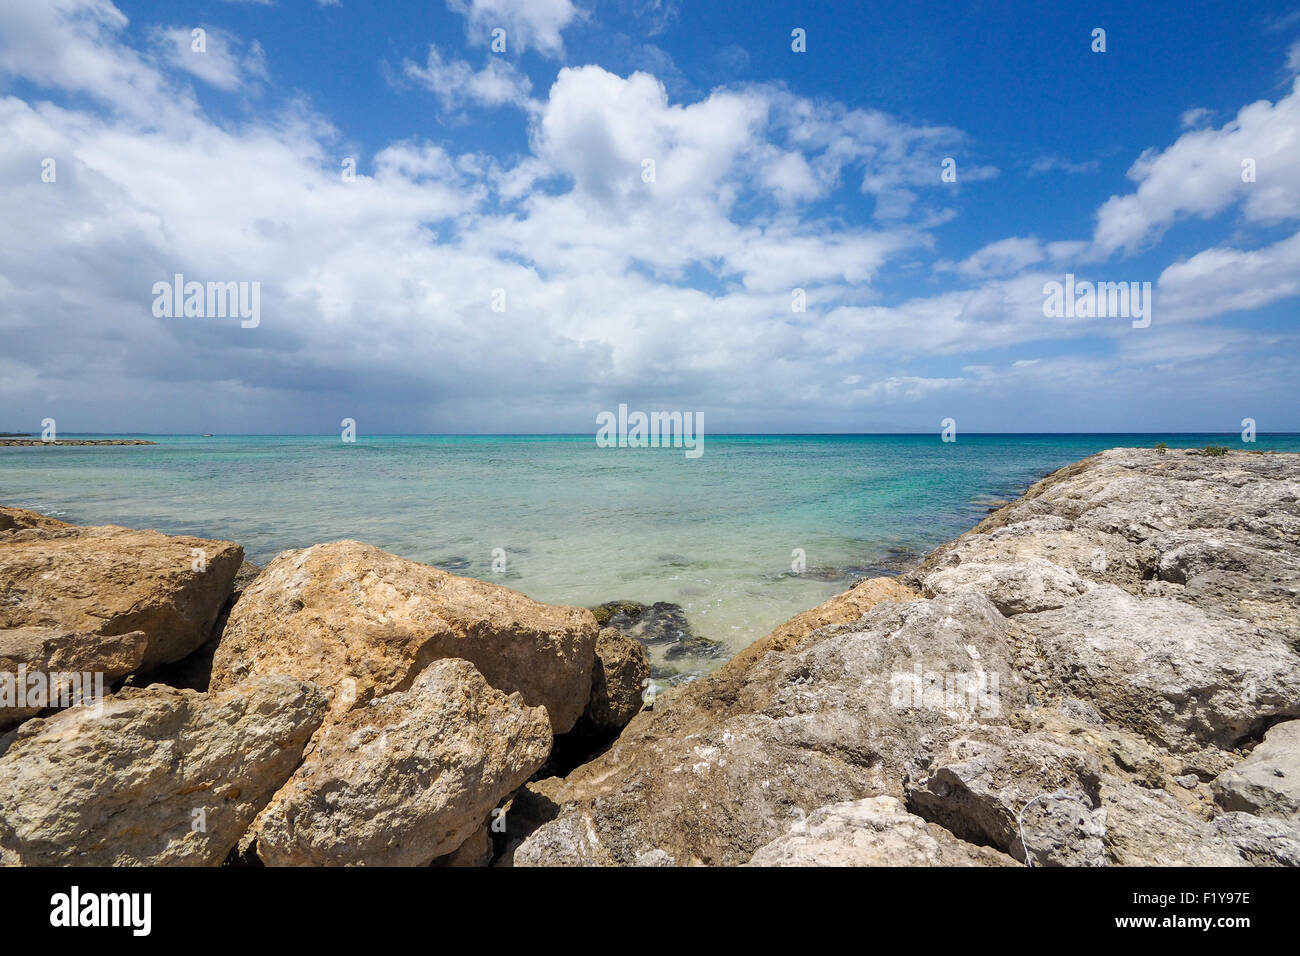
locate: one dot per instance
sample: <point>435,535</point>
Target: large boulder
<point>619,675</point>
<point>364,623</point>
<point>1268,781</point>
<point>407,778</point>
<point>151,777</point>
<point>1025,794</point>
<point>1180,676</point>
<point>109,580</point>
<point>877,831</point>
<point>71,664</point>
<point>726,764</point>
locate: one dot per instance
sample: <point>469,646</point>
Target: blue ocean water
<point>576,523</point>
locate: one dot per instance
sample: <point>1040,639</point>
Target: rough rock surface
<point>364,622</point>
<point>1140,611</point>
<point>160,777</point>
<point>51,650</point>
<point>407,778</point>
<point>618,678</point>
<point>1182,677</point>
<point>877,831</point>
<point>726,764</point>
<point>109,580</point>
<point>1268,781</point>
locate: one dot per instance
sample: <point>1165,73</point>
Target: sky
<point>626,202</point>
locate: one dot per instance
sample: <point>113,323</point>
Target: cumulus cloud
<point>672,289</point>
<point>458,85</point>
<point>529,24</point>
<point>1202,174</point>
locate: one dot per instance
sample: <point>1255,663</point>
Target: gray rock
<point>876,831</point>
<point>1268,781</point>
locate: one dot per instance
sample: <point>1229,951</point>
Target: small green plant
<point>1161,447</point>
<point>1214,451</point>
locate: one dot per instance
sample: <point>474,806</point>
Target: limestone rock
<point>407,778</point>
<point>364,622</point>
<point>876,831</point>
<point>1024,794</point>
<point>109,580</point>
<point>158,777</point>
<point>59,655</point>
<point>727,763</point>
<point>1176,674</point>
<point>844,608</point>
<point>1268,781</point>
<point>619,674</point>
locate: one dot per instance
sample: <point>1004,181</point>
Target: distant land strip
<point>77,441</point>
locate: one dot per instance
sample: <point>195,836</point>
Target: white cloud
<point>1200,176</point>
<point>223,61</point>
<point>535,24</point>
<point>458,85</point>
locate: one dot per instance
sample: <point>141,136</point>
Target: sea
<point>748,534</point>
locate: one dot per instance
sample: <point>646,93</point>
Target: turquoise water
<point>578,524</point>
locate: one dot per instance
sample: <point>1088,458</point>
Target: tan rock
<point>19,519</point>
<point>618,678</point>
<point>364,622</point>
<point>109,580</point>
<point>407,778</point>
<point>69,660</point>
<point>842,609</point>
<point>160,777</point>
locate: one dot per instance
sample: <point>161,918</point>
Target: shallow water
<point>578,524</point>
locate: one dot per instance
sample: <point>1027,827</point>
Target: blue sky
<point>522,171</point>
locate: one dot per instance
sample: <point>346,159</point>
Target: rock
<point>876,831</point>
<point>109,580</point>
<point>570,841</point>
<point>842,609</point>
<point>1024,794</point>
<point>158,777</point>
<point>20,519</point>
<point>1168,670</point>
<point>1031,585</point>
<point>724,765</point>
<point>364,622</point>
<point>618,676</point>
<point>195,670</point>
<point>1268,781</point>
<point>1259,841</point>
<point>407,778</point>
<point>74,662</point>
<point>476,851</point>
<point>661,623</point>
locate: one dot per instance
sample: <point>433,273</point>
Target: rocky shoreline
<point>1105,671</point>
<point>75,441</point>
